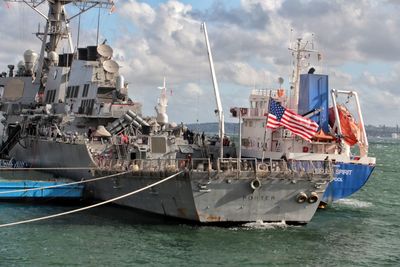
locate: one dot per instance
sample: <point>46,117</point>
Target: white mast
<point>295,103</point>
<point>300,53</point>
<point>161,108</point>
<point>216,92</point>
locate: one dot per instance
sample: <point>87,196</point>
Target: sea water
<point>363,230</point>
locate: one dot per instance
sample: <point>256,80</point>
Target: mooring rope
<point>91,206</point>
<point>65,184</point>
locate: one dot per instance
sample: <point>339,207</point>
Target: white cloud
<point>271,5</point>
<point>249,44</point>
<point>137,12</point>
<point>193,90</point>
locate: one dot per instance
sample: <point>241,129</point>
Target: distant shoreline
<point>233,128</point>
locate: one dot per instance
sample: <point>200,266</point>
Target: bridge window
<point>50,96</point>
<point>85,90</point>
<point>76,92</point>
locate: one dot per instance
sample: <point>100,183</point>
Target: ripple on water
<point>354,203</point>
<point>264,225</point>
<point>361,231</point>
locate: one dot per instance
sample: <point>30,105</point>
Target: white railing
<point>222,165</point>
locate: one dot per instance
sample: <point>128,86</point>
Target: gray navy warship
<point>71,112</point>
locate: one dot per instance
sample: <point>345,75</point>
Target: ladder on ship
<point>12,140</point>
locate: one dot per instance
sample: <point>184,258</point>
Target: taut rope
<point>91,206</point>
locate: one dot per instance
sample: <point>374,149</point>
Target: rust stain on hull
<point>182,212</point>
<point>210,218</point>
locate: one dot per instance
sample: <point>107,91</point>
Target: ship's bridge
<point>259,99</point>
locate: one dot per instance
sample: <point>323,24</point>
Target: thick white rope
<point>91,206</point>
<point>65,184</point>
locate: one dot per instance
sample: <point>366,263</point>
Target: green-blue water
<point>361,231</point>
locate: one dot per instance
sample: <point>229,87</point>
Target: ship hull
<point>64,158</point>
<point>348,179</point>
<point>199,196</point>
<point>222,199</point>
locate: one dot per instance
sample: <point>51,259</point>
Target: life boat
<point>321,136</point>
<point>348,125</point>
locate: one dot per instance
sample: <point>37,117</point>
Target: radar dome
<point>162,118</point>
<point>110,66</point>
<point>53,57</point>
<point>105,51</point>
<point>30,58</point>
<point>21,65</point>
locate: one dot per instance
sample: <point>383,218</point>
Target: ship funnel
<point>53,58</point>
<point>30,58</point>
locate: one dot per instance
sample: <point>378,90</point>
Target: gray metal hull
<point>52,154</point>
<point>200,196</point>
<point>192,196</point>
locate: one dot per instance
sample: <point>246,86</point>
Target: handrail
<point>279,165</point>
<point>235,165</point>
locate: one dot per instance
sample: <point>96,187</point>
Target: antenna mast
<point>300,53</point>
<point>57,24</point>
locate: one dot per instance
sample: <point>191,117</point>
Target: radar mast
<point>57,24</point>
<point>301,58</point>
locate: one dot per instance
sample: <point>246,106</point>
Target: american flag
<point>280,116</point>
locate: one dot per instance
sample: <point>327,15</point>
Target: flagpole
<point>240,138</point>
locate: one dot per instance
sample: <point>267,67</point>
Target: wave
<point>354,203</point>
<point>264,225</point>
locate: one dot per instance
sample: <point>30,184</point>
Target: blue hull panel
<point>348,179</point>
<point>67,191</point>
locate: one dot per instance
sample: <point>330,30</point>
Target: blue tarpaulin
<point>66,191</point>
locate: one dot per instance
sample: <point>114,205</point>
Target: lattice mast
<point>57,24</point>
<point>301,55</point>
